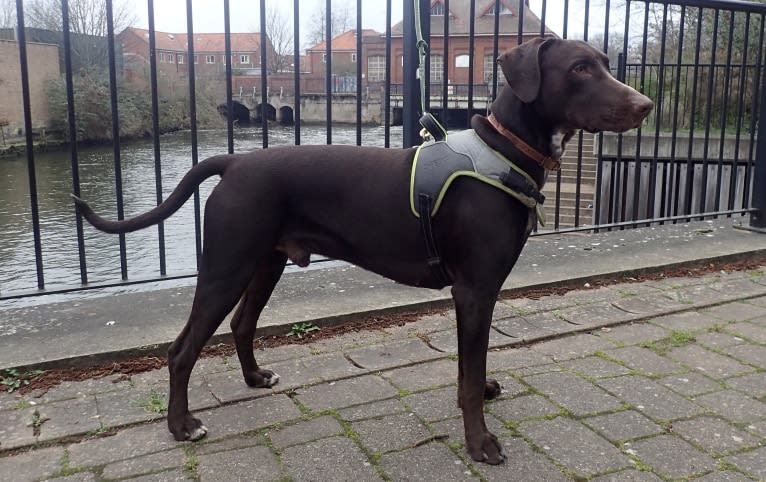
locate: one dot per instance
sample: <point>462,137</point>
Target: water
<point>57,215</point>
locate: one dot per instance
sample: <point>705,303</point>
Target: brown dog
<point>352,203</point>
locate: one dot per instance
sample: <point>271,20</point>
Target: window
<point>170,58</point>
<point>353,57</point>
<point>324,58</point>
<point>462,60</point>
<point>489,64</point>
<point>244,59</point>
<point>437,68</point>
<point>503,10</point>
<point>376,68</point>
<point>196,59</point>
<point>162,57</point>
<point>437,9</point>
<point>223,59</point>
<point>209,59</point>
<point>180,58</point>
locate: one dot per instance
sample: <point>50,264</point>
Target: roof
<point>203,42</point>
<point>345,41</point>
<point>460,20</point>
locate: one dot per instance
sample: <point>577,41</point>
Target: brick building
<point>43,66</point>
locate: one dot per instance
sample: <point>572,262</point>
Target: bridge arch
<point>285,115</point>
<point>266,110</point>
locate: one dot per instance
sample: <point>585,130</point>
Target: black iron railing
<point>702,152</point>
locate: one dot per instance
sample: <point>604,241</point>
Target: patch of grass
<point>316,351</point>
<point>191,464</point>
<point>302,329</point>
<point>12,379</point>
<point>22,404</point>
<point>675,340</point>
<point>154,403</point>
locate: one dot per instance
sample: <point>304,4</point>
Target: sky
<point>170,15</point>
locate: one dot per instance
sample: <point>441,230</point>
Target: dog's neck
<point>523,120</point>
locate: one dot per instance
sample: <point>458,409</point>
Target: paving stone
<point>146,463</point>
<point>629,475</point>
<point>345,393</point>
<point>454,430</point>
<point>230,386</point>
<point>251,463</point>
<point>331,366</point>
<point>248,416</point>
<point>710,363</point>
<point>217,364</point>
<point>701,295</point>
<point>84,477</point>
<point>718,340</point>
<point>425,375</point>
<point>751,462</point>
<point>16,428</point>
<point>733,406</point>
<point>68,417</point>
<point>595,367</point>
<point>509,386</point>
<point>635,333</point>
<point>393,354</point>
<point>724,476</point>
<point>589,295</point>
<point>522,463</point>
<point>92,386</point>
<point>752,354</point>
<point>349,341</point>
<point>535,370</point>
<point>434,404</point>
<point>573,346</point>
<point>32,465</point>
<point>748,331</point>
<point>758,428</point>
<point>650,398</point>
<point>236,442</point>
<point>690,384</point>
<point>520,329</point>
<point>522,408</point>
<point>714,435</point>
<point>422,326</point>
<point>99,451</point>
<point>737,311</point>
<point>372,410</point>
<point>527,306</point>
<point>621,426</point>
<point>574,446</point>
<point>692,321</point>
<point>671,456</point>
<point>648,304</point>
<point>595,315</point>
<point>575,394</point>
<point>152,377</point>
<point>302,432</point>
<point>391,433</point>
<point>176,475</point>
<point>753,384</point>
<point>282,353</point>
<point>645,360</point>
<point>446,341</point>
<point>10,401</point>
<point>514,358</point>
<point>335,458</point>
<point>741,287</point>
<point>293,374</point>
<point>430,462</point>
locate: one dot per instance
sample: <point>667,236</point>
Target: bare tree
<point>7,13</point>
<point>86,17</point>
<point>280,33</point>
<point>342,21</point>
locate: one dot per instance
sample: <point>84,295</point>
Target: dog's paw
<point>492,390</point>
<point>487,449</point>
<point>198,433</point>
<point>261,378</point>
<point>188,429</point>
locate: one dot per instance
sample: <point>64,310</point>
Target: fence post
<point>411,88</point>
<point>758,216</point>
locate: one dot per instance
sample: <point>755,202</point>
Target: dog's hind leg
<point>245,319</point>
<point>214,298</point>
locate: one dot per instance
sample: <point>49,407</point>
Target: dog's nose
<point>642,105</point>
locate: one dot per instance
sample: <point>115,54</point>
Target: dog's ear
<point>521,67</point>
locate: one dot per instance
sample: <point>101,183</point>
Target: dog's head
<point>569,84</point>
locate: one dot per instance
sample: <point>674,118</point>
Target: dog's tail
<point>205,169</point>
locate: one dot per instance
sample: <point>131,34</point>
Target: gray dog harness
<point>438,163</point>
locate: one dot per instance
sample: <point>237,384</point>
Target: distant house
<point>344,60</point>
<point>172,54</point>
<point>458,57</point>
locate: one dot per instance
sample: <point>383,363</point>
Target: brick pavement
<point>658,380</point>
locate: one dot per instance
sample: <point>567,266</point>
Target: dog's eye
<point>580,69</point>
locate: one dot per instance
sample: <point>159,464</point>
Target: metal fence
<point>701,154</point>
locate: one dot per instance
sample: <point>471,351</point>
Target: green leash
<point>431,126</point>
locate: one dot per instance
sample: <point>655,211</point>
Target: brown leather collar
<point>545,161</point>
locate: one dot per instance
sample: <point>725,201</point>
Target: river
<point>57,218</point>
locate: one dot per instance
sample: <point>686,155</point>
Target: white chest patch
<point>558,141</point>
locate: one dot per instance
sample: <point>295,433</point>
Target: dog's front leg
<point>474,316</point>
